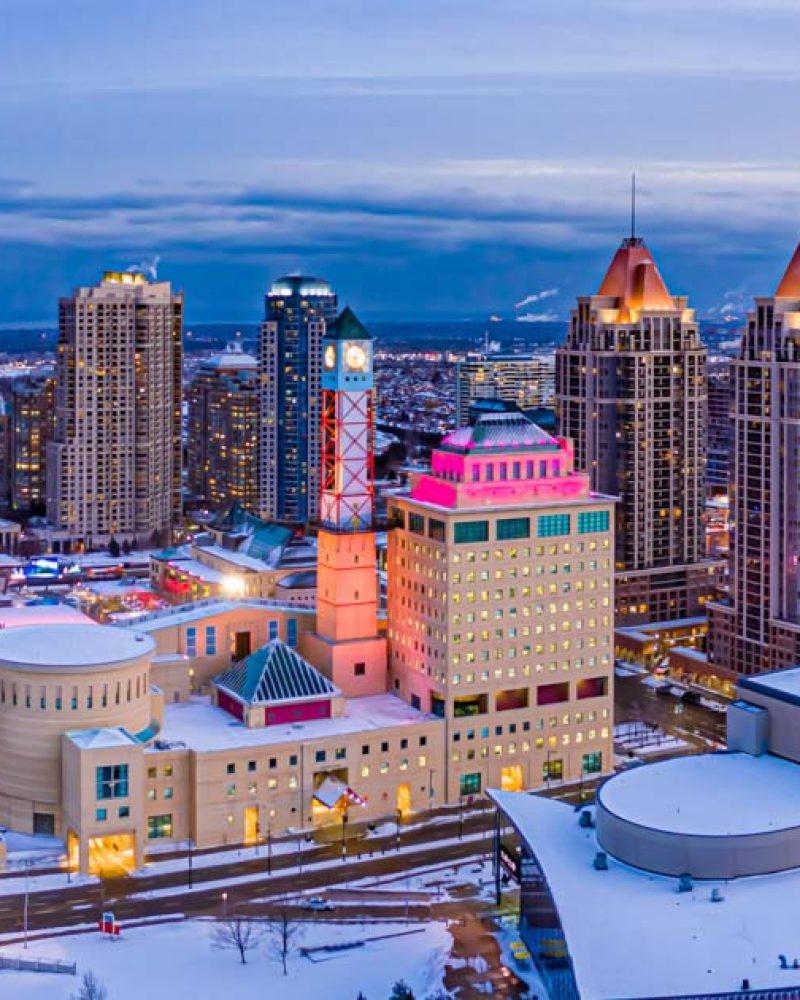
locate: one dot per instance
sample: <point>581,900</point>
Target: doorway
<point>242,645</point>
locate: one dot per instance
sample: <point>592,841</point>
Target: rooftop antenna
<point>633,205</point>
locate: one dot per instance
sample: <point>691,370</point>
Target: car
<point>318,903</point>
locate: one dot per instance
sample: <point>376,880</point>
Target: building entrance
<point>112,855</point>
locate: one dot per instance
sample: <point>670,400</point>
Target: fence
<point>37,965</point>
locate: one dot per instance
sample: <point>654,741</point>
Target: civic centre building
<point>227,721</point>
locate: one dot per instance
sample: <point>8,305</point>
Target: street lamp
<point>547,769</point>
<point>224,905</point>
<point>344,834</point>
<point>398,817</point>
<point>460,815</point>
<point>269,849</point>
<point>28,864</point>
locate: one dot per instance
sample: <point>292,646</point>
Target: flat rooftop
<point>203,727</point>
<point>714,794</point>
<point>183,614</point>
<point>782,684</point>
<point>630,934</point>
<point>70,645</point>
<point>21,615</point>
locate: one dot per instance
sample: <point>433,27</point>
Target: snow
<point>778,682</point>
<point>178,960</point>
<point>631,934</point>
<point>71,645</point>
<point>709,794</point>
<point>105,739</point>
<point>240,559</point>
<point>197,611</point>
<point>42,614</point>
<point>204,727</point>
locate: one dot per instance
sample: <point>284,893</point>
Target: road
<point>695,724</point>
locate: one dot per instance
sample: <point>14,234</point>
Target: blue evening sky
<point>430,157</point>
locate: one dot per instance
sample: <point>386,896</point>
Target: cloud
<point>547,293</point>
<point>542,317</point>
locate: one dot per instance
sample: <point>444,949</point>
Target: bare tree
<point>91,988</point>
<point>238,933</point>
<point>285,932</point>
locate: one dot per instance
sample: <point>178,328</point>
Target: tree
<point>284,932</point>
<point>113,548</point>
<point>91,988</point>
<point>360,996</point>
<point>126,548</point>
<point>239,933</point>
<point>400,991</point>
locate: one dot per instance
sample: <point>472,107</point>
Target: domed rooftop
<point>57,647</point>
<point>233,358</point>
<point>500,431</point>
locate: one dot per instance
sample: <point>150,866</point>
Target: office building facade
<point>31,404</point>
<point>526,381</point>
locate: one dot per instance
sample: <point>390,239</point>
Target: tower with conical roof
<point>346,645</point>
<point>757,627</point>
<point>631,392</point>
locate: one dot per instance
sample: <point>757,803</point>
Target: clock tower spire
<point>346,644</point>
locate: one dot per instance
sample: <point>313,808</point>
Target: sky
<point>431,158</point>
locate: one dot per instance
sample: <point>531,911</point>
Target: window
<point>513,527</point>
<point>151,772</point>
<point>436,530</point>
<point>384,747</point>
<point>553,770</point>
<point>550,525</point>
<point>291,632</point>
<point>112,781</point>
<point>319,756</point>
<point>230,769</point>
<point>230,790</point>
<point>416,523</point>
<point>273,762</point>
<point>168,770</point>
<point>273,630</point>
<point>167,793</point>
<point>359,669</point>
<point>211,640</point>
<point>469,784</point>
<point>592,520</point>
<point>191,641</point>
<point>471,531</point>
<point>100,815</point>
<point>292,760</point>
<point>592,687</point>
<point>159,826</point>
<point>124,812</point>
<point>552,694</point>
<point>341,753</point>
<point>151,794</point>
<point>251,765</point>
<point>592,763</point>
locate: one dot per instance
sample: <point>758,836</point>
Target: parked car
<point>318,903</point>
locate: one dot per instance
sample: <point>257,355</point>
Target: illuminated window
<point>550,525</point>
<point>593,520</point>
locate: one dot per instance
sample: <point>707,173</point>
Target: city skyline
<point>452,164</point>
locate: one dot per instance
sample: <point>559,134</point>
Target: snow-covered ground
<point>179,962</point>
<point>644,739</point>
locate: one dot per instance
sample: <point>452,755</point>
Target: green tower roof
<point>347,326</point>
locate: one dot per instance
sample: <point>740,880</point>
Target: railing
<point>37,965</point>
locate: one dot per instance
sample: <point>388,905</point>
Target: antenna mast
<point>633,205</point>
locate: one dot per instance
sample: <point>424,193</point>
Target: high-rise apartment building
<point>31,402</point>
<point>290,360</point>
<point>222,444</point>
<point>523,379</point>
<point>5,450</point>
<point>500,607</point>
<point>114,466</point>
<point>720,426</point>
<point>758,627</point>
<point>631,392</point>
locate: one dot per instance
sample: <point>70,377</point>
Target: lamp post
<point>430,788</point>
<point>547,769</point>
<point>344,834</point>
<point>398,817</point>
<point>191,855</point>
<point>460,816</point>
<point>269,849</point>
<point>28,864</point>
<point>224,905</point>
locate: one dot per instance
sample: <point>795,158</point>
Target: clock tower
<point>346,644</point>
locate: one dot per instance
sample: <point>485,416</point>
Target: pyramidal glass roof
<point>500,431</point>
<point>274,673</point>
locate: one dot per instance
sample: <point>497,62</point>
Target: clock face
<point>330,356</point>
<point>355,357</point>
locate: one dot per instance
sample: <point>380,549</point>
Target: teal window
<point>211,640</point>
<point>159,826</point>
<point>100,815</point>
<point>319,756</point>
<point>471,531</point>
<point>513,527</point>
<point>124,812</point>
<point>291,632</point>
<point>416,523</point>
<point>469,784</point>
<point>550,525</point>
<point>273,630</point>
<point>592,763</point>
<point>112,781</point>
<point>436,529</point>
<point>592,520</point>
<point>191,641</point>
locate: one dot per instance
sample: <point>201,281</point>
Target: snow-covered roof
<point>42,614</point>
<point>782,684</point>
<point>101,739</point>
<point>274,673</point>
<point>71,645</point>
<point>183,614</point>
<point>631,934</point>
<point>713,794</point>
<point>240,559</point>
<point>203,727</point>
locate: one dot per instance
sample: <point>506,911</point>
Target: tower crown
<point>634,280</point>
<point>789,287</point>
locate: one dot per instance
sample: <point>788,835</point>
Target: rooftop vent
<point>685,883</point>
<point>600,862</point>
